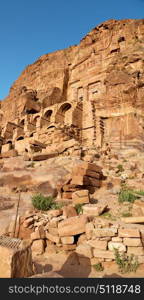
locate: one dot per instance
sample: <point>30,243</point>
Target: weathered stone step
<point>133,219</point>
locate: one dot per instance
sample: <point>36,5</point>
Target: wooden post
<point>120,139</point>
<point>18,203</point>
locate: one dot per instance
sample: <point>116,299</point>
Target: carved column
<point>88,122</point>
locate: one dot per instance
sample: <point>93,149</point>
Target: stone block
<point>10,153</point>
<point>133,220</point>
<point>15,262</point>
<point>67,240</point>
<point>6,148</point>
<point>72,226</point>
<point>37,143</point>
<point>104,232</point>
<point>38,247</point>
<point>40,223</point>
<point>141,259</point>
<point>93,209</point>
<point>89,228</point>
<point>115,245</point>
<point>98,244</point>
<point>117,239</point>
<point>53,238</point>
<point>67,195</point>
<point>84,250</point>
<point>38,234</point>
<point>52,224</point>
<point>108,260</point>
<point>89,181</point>
<point>55,212</point>
<point>65,145</point>
<point>53,231</point>
<point>28,222</point>
<point>128,232</point>
<point>80,197</point>
<point>69,211</point>
<point>89,166</point>
<point>39,157</point>
<point>106,238</point>
<point>51,248</point>
<point>70,188</point>
<point>138,206</point>
<point>103,254</point>
<point>134,242</point>
<point>69,247</point>
<point>29,214</point>
<point>77,180</point>
<point>85,180</point>
<point>82,238</point>
<point>136,251</point>
<point>85,172</point>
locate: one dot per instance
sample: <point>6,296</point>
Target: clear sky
<point>31,28</point>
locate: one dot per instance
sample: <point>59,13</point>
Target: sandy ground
<point>68,266</point>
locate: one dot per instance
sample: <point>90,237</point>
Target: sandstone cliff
<point>96,86</point>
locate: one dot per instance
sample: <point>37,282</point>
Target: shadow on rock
<point>75,267</point>
<point>39,268</point>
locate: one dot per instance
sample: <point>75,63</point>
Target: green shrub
<point>126,263</point>
<point>125,160</point>
<point>79,208</point>
<point>127,194</point>
<point>98,267</point>
<point>108,215</point>
<point>126,214</point>
<point>31,165</point>
<point>41,202</point>
<point>120,168</point>
<point>56,205</point>
<point>139,192</point>
<point>131,177</point>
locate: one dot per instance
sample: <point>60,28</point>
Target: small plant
<point>79,208</point>
<point>127,194</point>
<point>131,177</point>
<point>126,263</point>
<point>41,202</point>
<point>139,192</point>
<point>98,267</point>
<point>125,160</point>
<point>120,168</point>
<point>56,205</point>
<point>126,214</point>
<point>108,215</point>
<point>31,165</point>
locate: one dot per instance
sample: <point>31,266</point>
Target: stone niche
<point>80,94</point>
<point>21,144</point>
<point>96,89</point>
<point>16,258</point>
<point>6,147</point>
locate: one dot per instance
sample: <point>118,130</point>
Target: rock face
<point>91,93</point>
<point>16,259</point>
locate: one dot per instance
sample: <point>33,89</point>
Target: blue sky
<point>31,28</point>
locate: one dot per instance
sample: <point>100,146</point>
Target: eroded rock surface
<point>86,95</point>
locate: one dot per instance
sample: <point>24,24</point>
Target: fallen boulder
<point>72,226</point>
